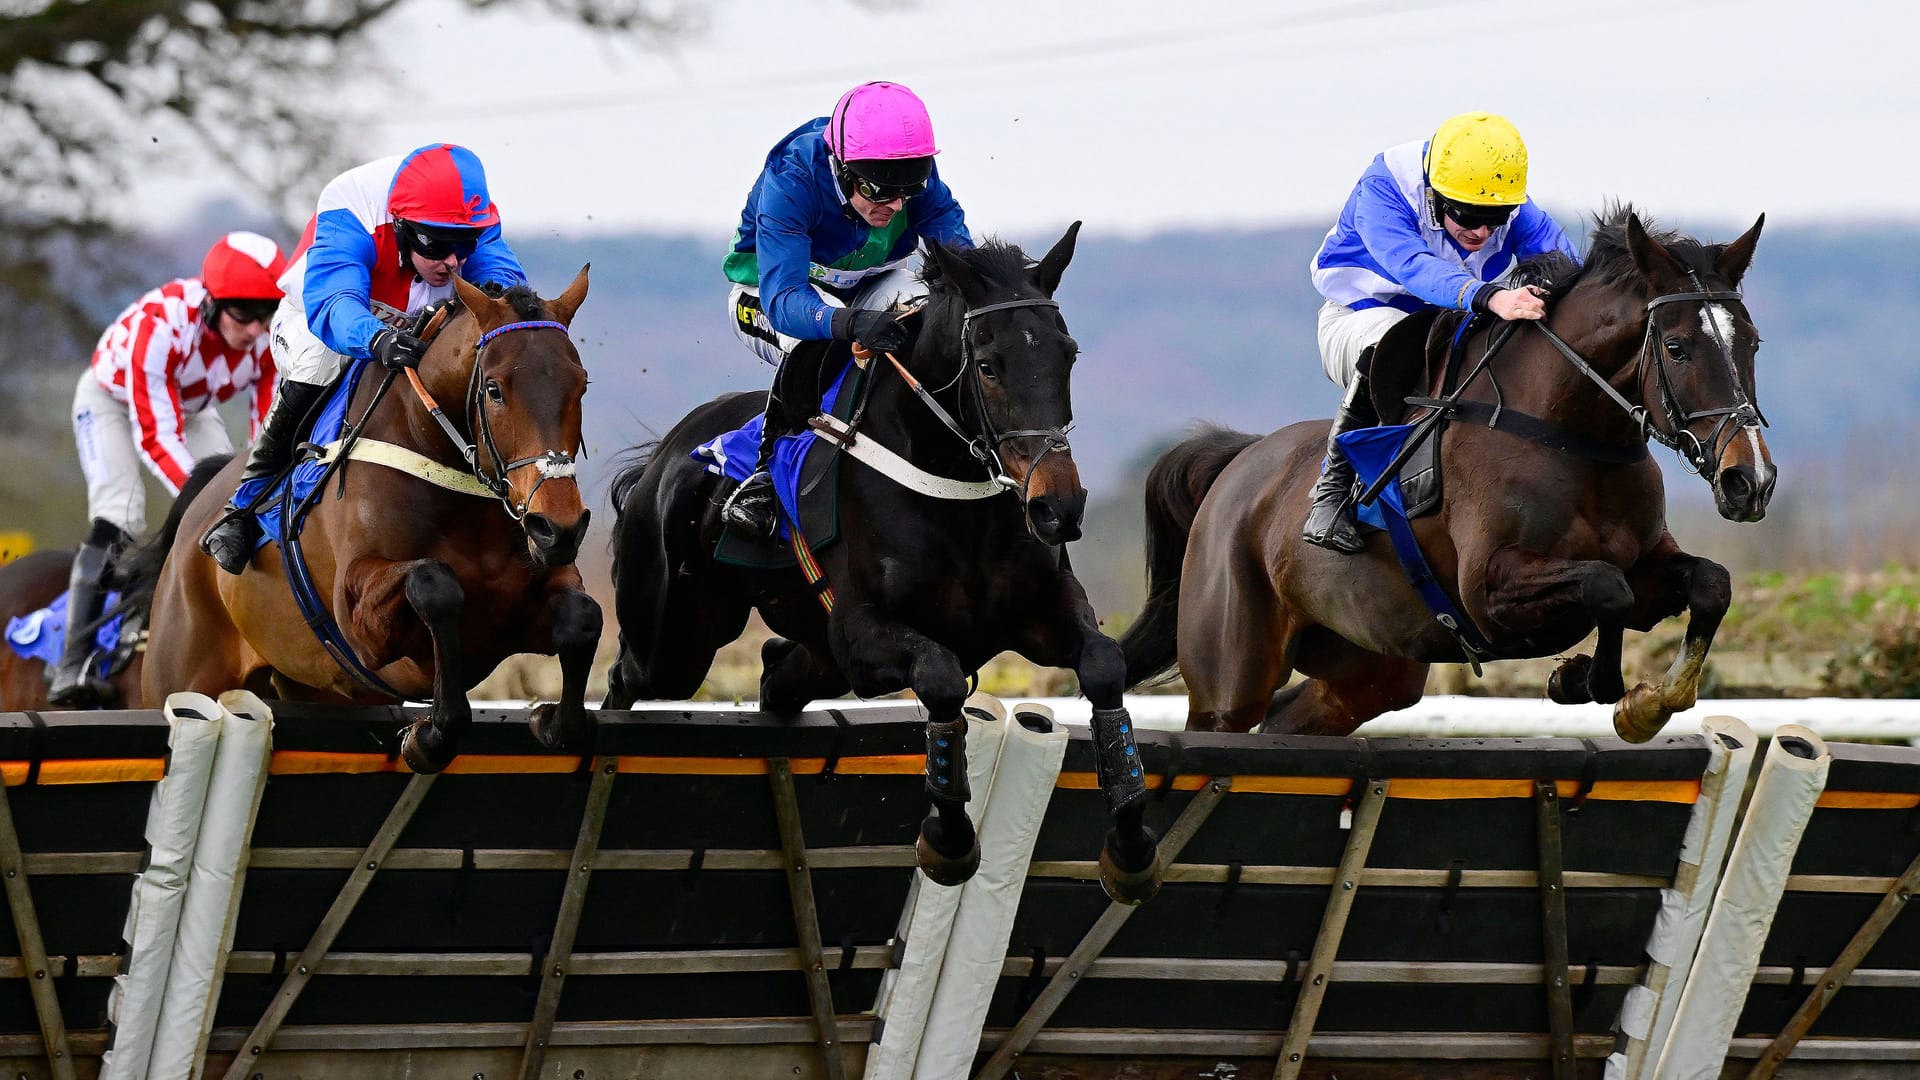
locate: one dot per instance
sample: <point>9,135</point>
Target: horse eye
<point>987,372</point>
<point>493,391</point>
<point>1677,349</point>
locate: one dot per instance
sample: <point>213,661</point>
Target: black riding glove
<point>878,331</point>
<point>398,349</point>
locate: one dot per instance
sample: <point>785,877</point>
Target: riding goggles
<point>1470,216</point>
<point>880,193</point>
<point>435,244</point>
<point>248,312</point>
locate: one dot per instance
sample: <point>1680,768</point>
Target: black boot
<point>71,683</point>
<point>1330,524</point>
<point>753,508</point>
<point>232,539</point>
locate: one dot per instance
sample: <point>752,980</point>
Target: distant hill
<point>1182,326</point>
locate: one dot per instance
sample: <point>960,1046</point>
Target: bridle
<point>1743,414</point>
<point>552,464</point>
<point>986,445</point>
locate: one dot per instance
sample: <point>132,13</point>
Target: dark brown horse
<point>928,588</point>
<point>31,583</point>
<point>1537,544</point>
<point>429,584</point>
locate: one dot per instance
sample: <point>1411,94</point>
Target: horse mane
<point>1608,260</point>
<point>526,303</point>
<point>998,262</point>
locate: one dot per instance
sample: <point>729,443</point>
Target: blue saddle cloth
<point>307,473</point>
<point>40,635</point>
<point>734,454</point>
<point>1371,450</point>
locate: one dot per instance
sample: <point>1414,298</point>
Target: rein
<point>553,464</point>
<point>1742,413</point>
<point>986,446</point>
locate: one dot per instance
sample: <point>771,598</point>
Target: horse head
<point>1697,363</point>
<point>992,329</point>
<point>520,381</point>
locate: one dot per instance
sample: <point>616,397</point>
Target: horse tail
<point>1175,487</point>
<point>139,568</point>
<point>629,465</point>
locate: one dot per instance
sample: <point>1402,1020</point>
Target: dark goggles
<point>881,193</point>
<point>247,312</point>
<point>1470,216</point>
<point>436,244</point>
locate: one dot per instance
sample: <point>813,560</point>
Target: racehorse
<point>31,583</point>
<point>925,589</point>
<point>1552,521</point>
<point>429,583</point>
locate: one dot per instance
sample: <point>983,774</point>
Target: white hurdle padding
<point>153,919</point>
<point>1794,774</point>
<point>977,948</point>
<point>1647,1012</point>
<point>926,922</point>
<point>212,903</point>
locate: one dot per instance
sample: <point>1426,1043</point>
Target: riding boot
<point>71,684</point>
<point>1331,524</point>
<point>233,537</point>
<point>752,507</point>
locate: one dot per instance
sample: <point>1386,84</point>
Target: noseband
<point>1701,458</point>
<point>553,464</point>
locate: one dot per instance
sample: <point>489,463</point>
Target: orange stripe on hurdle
<point>1868,800</point>
<point>1672,791</point>
<point>86,771</point>
<point>324,763</point>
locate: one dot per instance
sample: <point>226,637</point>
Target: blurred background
<point>1206,149</point>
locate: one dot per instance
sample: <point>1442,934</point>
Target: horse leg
<point>573,631</point>
<point>880,657</point>
<point>1130,868</point>
<point>430,586</point>
<point>1526,590</point>
<point>1346,686</point>
<point>1235,640</point>
<point>1664,582</point>
<point>620,694</point>
<point>668,639</point>
<point>792,676</point>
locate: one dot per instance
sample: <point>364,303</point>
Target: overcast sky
<point>1141,116</point>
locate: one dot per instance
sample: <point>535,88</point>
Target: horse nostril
<point>540,530</point>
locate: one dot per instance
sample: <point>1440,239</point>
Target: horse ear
<point>1656,263</point>
<point>1733,260</point>
<point>956,270</point>
<point>562,307</point>
<point>485,308</point>
<point>1056,261</point>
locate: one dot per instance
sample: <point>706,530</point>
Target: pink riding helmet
<point>880,121</point>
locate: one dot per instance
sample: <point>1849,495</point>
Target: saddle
<point>1415,356</point>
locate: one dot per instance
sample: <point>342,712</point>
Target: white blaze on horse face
<point>1717,321</point>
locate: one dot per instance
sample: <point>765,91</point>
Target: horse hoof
<point>423,749</point>
<point>1568,683</point>
<point>1640,715</point>
<point>1128,886</point>
<point>942,870</point>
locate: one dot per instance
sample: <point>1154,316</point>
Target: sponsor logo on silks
<point>745,313</point>
<point>280,340</point>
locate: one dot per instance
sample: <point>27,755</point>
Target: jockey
<point>822,249</point>
<point>1437,223</point>
<point>392,232</point>
<point>148,398</point>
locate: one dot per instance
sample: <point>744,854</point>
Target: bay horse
<point>429,586</point>
<point>1537,545</point>
<point>926,589</point>
<point>32,582</point>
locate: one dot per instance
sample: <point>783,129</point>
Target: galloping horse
<point>927,589</point>
<point>1542,536</point>
<point>31,583</point>
<point>429,586</point>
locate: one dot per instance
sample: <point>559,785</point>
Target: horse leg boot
<point>71,685</point>
<point>235,533</point>
<point>1330,524</point>
<point>427,746</point>
<point>949,788</point>
<point>1130,869</point>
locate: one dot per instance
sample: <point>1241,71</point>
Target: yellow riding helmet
<point>1478,158</point>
